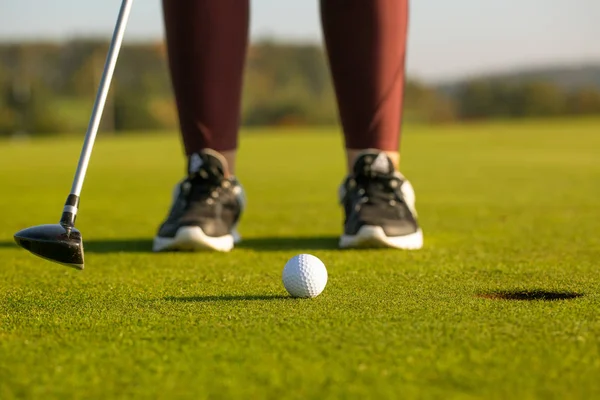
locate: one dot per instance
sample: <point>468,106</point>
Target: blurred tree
<point>287,85</point>
<point>9,120</point>
<point>49,87</point>
<point>541,99</point>
<point>43,118</point>
<point>426,105</point>
<point>584,101</point>
<point>476,100</point>
<point>133,112</point>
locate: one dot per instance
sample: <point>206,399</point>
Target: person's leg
<point>366,47</point>
<point>366,44</point>
<point>206,45</point>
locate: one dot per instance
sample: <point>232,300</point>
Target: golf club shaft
<point>70,209</point>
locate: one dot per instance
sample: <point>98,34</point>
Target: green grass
<point>511,214</point>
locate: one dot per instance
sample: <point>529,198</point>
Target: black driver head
<point>54,243</point>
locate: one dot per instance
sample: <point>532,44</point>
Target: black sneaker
<point>206,208</point>
<point>379,204</point>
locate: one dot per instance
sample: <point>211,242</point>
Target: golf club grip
<point>109,67</point>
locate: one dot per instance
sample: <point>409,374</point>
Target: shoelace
<point>201,188</point>
<point>378,189</point>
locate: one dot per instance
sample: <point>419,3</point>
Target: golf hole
<point>530,295</point>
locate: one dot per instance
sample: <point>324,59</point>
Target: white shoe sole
<point>192,238</point>
<point>374,237</point>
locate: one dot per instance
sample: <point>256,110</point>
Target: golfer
<point>365,41</point>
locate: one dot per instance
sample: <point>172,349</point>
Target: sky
<point>448,39</point>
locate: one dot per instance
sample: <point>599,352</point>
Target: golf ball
<point>304,275</point>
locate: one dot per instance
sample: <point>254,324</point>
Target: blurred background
<point>467,60</point>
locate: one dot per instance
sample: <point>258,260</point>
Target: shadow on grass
<point>117,246</point>
<point>104,245</point>
<point>6,244</point>
<point>289,243</point>
<point>530,295</point>
<point>261,244</point>
<point>144,245</point>
<point>200,299</point>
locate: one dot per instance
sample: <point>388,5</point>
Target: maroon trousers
<point>366,46</point>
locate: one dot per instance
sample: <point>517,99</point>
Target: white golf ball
<point>304,275</point>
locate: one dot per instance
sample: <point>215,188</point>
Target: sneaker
<point>206,208</point>
<point>379,205</point>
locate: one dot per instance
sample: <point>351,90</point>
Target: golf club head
<point>52,242</point>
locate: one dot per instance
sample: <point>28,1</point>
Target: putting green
<point>502,302</point>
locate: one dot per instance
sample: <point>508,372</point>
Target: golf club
<point>62,242</point>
